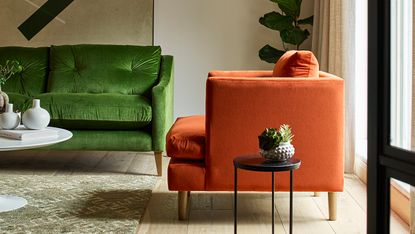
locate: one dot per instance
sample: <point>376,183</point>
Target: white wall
<point>212,35</point>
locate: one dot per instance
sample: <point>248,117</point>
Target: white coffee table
<point>10,202</point>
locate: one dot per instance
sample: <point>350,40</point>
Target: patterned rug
<point>76,204</point>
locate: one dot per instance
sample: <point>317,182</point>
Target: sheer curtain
<point>333,43</point>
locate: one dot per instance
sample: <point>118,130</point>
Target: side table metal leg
<point>273,208</point>
<point>235,200</point>
<point>291,201</point>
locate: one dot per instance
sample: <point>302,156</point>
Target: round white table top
<point>7,144</point>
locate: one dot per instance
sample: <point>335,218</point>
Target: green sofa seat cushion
<point>122,69</point>
<point>33,79</point>
<point>20,102</point>
<point>110,140</point>
<point>97,111</point>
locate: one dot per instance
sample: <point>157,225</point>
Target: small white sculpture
<point>9,119</point>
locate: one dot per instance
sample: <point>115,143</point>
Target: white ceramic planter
<point>36,117</point>
<point>280,153</point>
<point>9,119</point>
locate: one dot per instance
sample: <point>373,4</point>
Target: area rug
<point>76,204</point>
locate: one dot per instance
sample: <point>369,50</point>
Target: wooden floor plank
<point>85,162</point>
<point>143,164</point>
<point>306,214</point>
<point>397,225</point>
<point>255,214</point>
<point>161,213</point>
<point>357,189</point>
<point>18,162</point>
<point>211,222</point>
<point>51,162</point>
<point>351,218</point>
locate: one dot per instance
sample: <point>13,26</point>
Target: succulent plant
<point>268,138</point>
<point>271,137</point>
<point>285,132</point>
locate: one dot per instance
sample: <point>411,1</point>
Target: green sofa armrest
<point>162,104</point>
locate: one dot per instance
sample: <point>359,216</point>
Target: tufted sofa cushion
<point>105,111</point>
<point>103,69</point>
<point>32,80</point>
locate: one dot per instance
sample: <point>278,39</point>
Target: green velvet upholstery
<point>103,69</point>
<point>20,102</point>
<point>112,97</point>
<point>107,140</point>
<point>97,111</point>
<point>32,80</point>
<point>163,104</point>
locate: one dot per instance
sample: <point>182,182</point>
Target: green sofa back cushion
<point>32,80</point>
<point>103,69</point>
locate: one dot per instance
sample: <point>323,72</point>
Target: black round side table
<point>256,163</point>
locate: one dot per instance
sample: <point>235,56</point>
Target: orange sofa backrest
<point>239,105</point>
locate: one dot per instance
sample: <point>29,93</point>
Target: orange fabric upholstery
<point>186,138</point>
<point>186,175</point>
<point>238,108</point>
<point>297,63</point>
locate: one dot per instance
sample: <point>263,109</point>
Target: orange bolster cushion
<point>186,138</point>
<point>297,63</point>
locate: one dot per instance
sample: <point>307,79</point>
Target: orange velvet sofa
<point>239,106</point>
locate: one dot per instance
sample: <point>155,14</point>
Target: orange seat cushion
<point>186,138</point>
<point>186,175</point>
<point>297,63</point>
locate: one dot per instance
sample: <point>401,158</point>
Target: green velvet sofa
<point>112,97</point>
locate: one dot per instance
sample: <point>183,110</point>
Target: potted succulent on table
<point>7,70</point>
<point>276,144</point>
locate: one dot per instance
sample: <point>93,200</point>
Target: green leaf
<point>270,54</point>
<point>295,36</point>
<point>276,21</point>
<point>308,20</point>
<point>289,7</point>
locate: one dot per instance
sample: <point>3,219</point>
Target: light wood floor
<point>210,212</point>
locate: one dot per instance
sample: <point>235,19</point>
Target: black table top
<point>255,162</point>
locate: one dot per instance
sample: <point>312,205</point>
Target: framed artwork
<point>57,22</point>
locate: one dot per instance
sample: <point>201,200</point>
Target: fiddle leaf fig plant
<point>271,138</point>
<point>289,25</point>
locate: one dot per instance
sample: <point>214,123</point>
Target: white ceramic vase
<point>9,119</point>
<point>36,117</point>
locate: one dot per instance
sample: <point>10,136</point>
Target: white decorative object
<point>24,134</point>
<point>9,119</point>
<point>282,152</point>
<point>36,117</point>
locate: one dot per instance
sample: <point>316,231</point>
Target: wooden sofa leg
<point>183,198</point>
<point>332,206</point>
<point>159,157</point>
